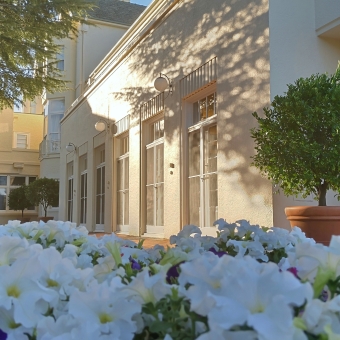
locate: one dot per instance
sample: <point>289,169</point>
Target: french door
<point>202,179</point>
<point>100,197</point>
<point>83,197</point>
<point>155,187</point>
<point>123,193</point>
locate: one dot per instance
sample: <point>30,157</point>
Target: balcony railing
<point>49,147</point>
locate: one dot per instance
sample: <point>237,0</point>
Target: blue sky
<point>141,2</point>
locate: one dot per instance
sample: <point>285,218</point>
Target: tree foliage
<point>44,191</point>
<point>17,199</point>
<point>28,48</point>
<point>298,140</point>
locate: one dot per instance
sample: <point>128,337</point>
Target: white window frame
<point>61,58</point>
<point>70,188</point>
<point>8,188</point>
<point>153,143</point>
<point>53,113</point>
<point>123,157</point>
<point>191,126</point>
<point>16,135</point>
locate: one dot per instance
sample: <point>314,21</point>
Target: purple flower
<point>218,253</point>
<point>3,335</point>
<point>173,272</point>
<point>294,271</point>
<point>134,264</point>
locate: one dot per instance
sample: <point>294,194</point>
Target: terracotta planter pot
<point>319,223</point>
<point>45,219</point>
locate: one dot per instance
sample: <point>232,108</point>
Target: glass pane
<point>126,173</point>
<point>211,105</point>
<point>126,208</point>
<point>98,199</point>
<point>102,209</point>
<point>149,205</point>
<point>70,189</point>
<point>103,180</point>
<point>17,181</point>
<point>3,180</point>
<point>212,187</point>
<point>82,210</point>
<point>120,208</point>
<point>211,149</point>
<point>99,180</point>
<point>82,185</point>
<point>194,153</point>
<point>56,105</point>
<point>203,108</point>
<point>195,114</point>
<point>2,199</point>
<point>120,174</point>
<point>149,166</point>
<point>194,201</point>
<point>31,179</point>
<point>159,163</point>
<point>159,205</point>
<point>85,175</point>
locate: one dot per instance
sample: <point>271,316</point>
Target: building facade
<point>169,159</point>
<point>21,131</point>
<point>78,57</point>
<point>183,156</point>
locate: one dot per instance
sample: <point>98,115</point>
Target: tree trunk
<point>22,213</point>
<point>322,190</point>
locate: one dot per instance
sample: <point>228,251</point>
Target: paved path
<point>148,241</point>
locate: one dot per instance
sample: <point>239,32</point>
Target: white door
<point>123,194</point>
<point>155,187</point>
<point>202,179</point>
<point>100,197</point>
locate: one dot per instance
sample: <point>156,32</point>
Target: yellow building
<point>21,131</point>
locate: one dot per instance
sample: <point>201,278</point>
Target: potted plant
<point>44,191</point>
<point>17,200</point>
<point>298,148</point>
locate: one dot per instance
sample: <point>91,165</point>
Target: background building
<point>77,59</point>
<point>21,131</point>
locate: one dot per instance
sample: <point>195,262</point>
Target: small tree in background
<point>17,200</point>
<point>298,140</point>
<point>43,191</point>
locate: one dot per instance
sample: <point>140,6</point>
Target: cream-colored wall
<point>31,124</point>
<point>190,35</point>
<point>296,51</point>
<point>28,158</point>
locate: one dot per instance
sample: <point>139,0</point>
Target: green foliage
<point>171,315</point>
<point>44,191</point>
<point>298,140</point>
<point>28,33</point>
<point>17,199</point>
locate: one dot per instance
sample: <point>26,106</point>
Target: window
<point>100,188</point>
<point>22,140</point>
<point>83,188</point>
<point>33,107</point>
<point>7,183</point>
<point>202,163</point>
<point>18,107</point>
<point>69,191</point>
<point>60,58</point>
<point>56,108</point>
<point>123,185</point>
<point>155,178</point>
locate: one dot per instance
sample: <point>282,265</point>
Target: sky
<point>141,2</point>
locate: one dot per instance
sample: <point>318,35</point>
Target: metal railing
<point>202,76</point>
<point>48,147</point>
<point>152,107</point>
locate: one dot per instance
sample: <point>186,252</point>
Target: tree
<point>44,191</point>
<point>28,33</point>
<point>298,140</point>
<point>17,199</point>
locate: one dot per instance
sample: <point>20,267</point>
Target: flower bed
<point>247,283</point>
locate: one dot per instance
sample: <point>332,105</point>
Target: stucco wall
<point>296,51</point>
<point>192,34</point>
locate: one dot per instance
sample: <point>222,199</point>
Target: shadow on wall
<point>237,33</point>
